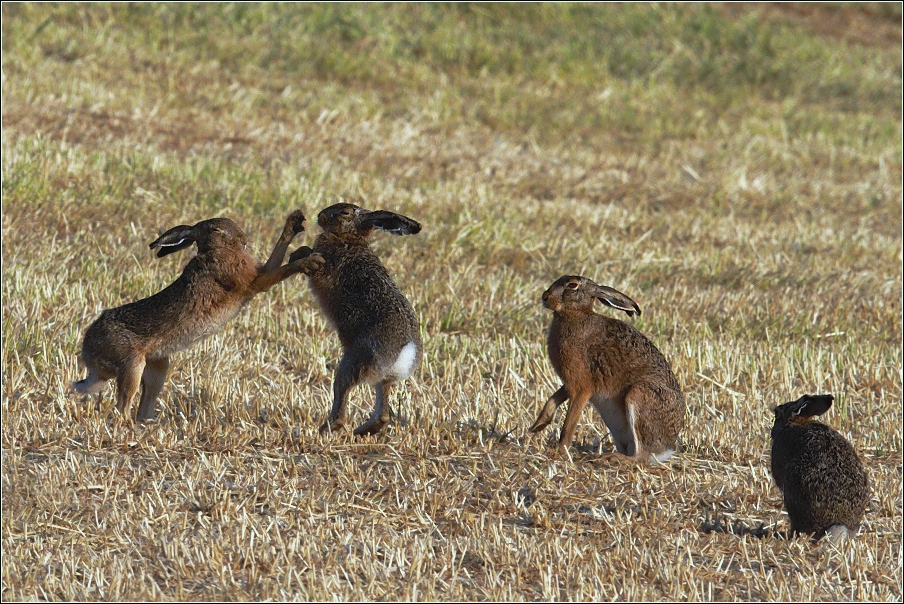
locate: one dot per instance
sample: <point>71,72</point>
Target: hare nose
<point>545,296</point>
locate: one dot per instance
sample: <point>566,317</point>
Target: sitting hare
<point>612,365</point>
<point>132,343</point>
<point>381,342</point>
<point>822,481</point>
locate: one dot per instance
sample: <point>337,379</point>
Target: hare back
<point>605,355</point>
<point>198,304</point>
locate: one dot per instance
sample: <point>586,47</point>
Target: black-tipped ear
<point>391,223</point>
<point>616,299</point>
<point>176,239</point>
<point>812,404</point>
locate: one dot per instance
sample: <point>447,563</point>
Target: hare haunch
<point>381,342</point>
<point>613,366</point>
<point>823,483</point>
<point>132,343</point>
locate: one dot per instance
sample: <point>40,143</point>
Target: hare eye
<point>571,285</point>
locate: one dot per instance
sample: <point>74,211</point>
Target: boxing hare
<point>381,342</point>
<point>612,365</point>
<point>822,481</point>
<point>133,343</point>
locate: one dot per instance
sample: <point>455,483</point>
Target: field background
<point>735,169</point>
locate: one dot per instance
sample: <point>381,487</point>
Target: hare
<point>612,365</point>
<point>381,342</point>
<point>133,343</point>
<point>823,483</point>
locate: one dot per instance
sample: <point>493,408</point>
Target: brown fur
<point>132,343</point>
<point>819,473</point>
<point>381,342</point>
<point>614,367</point>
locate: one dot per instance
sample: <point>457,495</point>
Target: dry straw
<point>738,174</point>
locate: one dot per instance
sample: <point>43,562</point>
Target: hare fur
<point>613,366</point>
<point>132,343</point>
<point>379,333</point>
<point>823,483</point>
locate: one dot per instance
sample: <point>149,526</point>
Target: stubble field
<point>737,171</point>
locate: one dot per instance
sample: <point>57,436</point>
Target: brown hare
<point>614,367</point>
<point>133,343</point>
<point>381,342</point>
<point>823,483</point>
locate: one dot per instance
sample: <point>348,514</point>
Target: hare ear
<point>176,239</point>
<point>391,223</point>
<point>615,299</point>
<point>812,404</point>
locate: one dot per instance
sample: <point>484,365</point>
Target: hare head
<point>208,234</point>
<point>804,409</point>
<point>578,293</point>
<point>349,222</point>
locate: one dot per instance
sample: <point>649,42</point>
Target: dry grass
<point>737,173</point>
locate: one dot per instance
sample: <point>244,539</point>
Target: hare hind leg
<point>618,422</point>
<point>152,381</point>
<point>653,421</point>
<point>380,416</point>
<point>348,375</point>
<point>128,380</point>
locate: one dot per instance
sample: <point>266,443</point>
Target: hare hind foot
<point>90,385</point>
<point>331,426</point>
<point>371,426</point>
<point>380,416</point>
<point>662,457</point>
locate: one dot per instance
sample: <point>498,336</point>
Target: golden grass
<point>757,223</point>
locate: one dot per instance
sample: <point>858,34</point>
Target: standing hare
<point>381,342</point>
<point>823,483</point>
<point>133,343</point>
<point>612,365</point>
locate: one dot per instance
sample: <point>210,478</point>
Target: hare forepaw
<point>314,263</point>
<point>548,412</point>
<point>300,254</point>
<point>540,423</point>
<point>296,222</point>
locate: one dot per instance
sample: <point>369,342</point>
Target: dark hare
<point>823,483</point>
<point>381,342</point>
